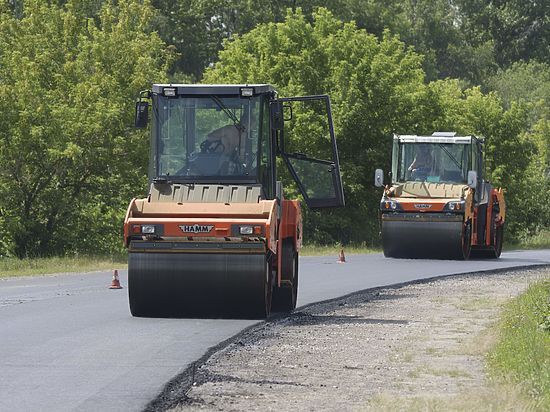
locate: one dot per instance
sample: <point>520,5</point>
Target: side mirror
<point>378,178</point>
<point>279,190</point>
<point>277,117</point>
<point>142,114</point>
<point>279,197</point>
<point>472,179</point>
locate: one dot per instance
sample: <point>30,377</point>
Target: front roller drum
<point>205,285</point>
<point>425,239</point>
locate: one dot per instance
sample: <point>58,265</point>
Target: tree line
<point>70,160</point>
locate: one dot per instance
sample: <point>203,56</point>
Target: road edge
<point>177,388</point>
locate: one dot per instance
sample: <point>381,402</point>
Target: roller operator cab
<point>215,236</point>
<point>438,204</point>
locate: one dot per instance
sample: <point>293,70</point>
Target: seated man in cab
<point>422,163</point>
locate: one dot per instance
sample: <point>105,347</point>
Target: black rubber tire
<point>466,247</point>
<point>499,240</point>
<point>494,251</point>
<point>263,310</point>
<point>285,297</point>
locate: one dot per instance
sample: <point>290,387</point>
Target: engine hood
<point>428,190</point>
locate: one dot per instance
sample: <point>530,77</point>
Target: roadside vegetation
<point>539,240</point>
<point>13,267</point>
<point>521,355</point>
<point>324,250</point>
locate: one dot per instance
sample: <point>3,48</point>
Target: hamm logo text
<point>196,228</point>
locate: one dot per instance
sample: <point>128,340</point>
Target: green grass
<point>326,250</point>
<point>522,353</point>
<point>11,267</point>
<point>476,304</point>
<point>540,240</point>
<point>494,398</point>
<point>38,266</point>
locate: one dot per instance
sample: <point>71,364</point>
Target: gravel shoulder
<point>418,346</point>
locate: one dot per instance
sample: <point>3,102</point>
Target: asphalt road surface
<point>67,342</point>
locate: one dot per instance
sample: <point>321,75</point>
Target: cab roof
<point>216,89</point>
<point>436,137</point>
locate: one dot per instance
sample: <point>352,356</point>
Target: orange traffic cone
<point>115,284</point>
<point>341,257</point>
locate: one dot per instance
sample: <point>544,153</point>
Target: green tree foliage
<point>377,87</point>
<point>508,149</point>
<point>519,29</point>
<point>466,39</point>
<point>438,29</point>
<point>196,28</point>
<point>529,83</point>
<point>537,184</point>
<point>71,69</point>
<point>69,156</point>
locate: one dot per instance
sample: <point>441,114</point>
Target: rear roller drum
<point>466,246</point>
<point>493,251</point>
<point>499,239</point>
<point>262,308</point>
<point>285,297</point>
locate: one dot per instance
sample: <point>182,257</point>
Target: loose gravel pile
<point>415,346</point>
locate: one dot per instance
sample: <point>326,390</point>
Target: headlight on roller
<point>148,229</point>
<point>246,230</point>
<point>457,206</point>
<point>389,205</point>
<point>157,230</point>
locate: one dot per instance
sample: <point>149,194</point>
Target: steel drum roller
<point>422,238</point>
<point>217,283</point>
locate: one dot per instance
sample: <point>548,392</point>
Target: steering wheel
<point>212,146</point>
<point>420,173</point>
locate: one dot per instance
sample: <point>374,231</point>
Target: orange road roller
<point>438,204</point>
<point>215,236</point>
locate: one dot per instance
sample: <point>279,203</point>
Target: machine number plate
<point>422,205</point>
